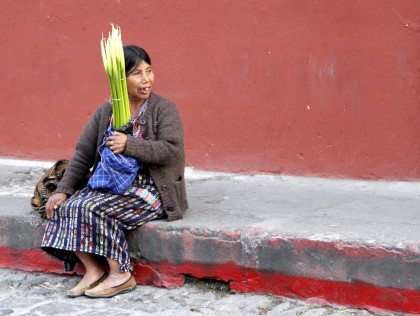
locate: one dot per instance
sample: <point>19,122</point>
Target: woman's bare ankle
<point>92,276</point>
<point>117,278</point>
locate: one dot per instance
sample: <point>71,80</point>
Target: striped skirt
<point>94,221</point>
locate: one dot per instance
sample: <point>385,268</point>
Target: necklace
<point>136,126</point>
<point>142,109</point>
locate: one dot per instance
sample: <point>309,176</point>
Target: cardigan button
<point>170,208</point>
<point>163,187</point>
<point>142,122</point>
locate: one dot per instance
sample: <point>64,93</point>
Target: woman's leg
<point>94,274</point>
<point>116,277</point>
<point>116,283</point>
<point>93,270</point>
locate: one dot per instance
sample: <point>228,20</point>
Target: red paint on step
<point>33,260</point>
<point>355,294</point>
<point>333,292</point>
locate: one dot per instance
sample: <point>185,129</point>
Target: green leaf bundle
<point>113,59</point>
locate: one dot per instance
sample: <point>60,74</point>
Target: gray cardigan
<point>162,150</point>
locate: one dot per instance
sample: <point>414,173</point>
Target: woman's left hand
<point>117,143</point>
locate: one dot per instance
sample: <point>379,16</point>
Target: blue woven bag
<point>114,173</point>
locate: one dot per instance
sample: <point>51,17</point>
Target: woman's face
<point>139,82</point>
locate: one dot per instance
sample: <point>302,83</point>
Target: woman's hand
<point>117,143</point>
<point>54,202</point>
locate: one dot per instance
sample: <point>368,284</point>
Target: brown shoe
<point>104,291</point>
<point>80,289</point>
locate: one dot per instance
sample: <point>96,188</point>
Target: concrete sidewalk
<point>353,243</point>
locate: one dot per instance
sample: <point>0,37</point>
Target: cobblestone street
<point>26,293</point>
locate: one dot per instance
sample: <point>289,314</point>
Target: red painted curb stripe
<point>251,281</point>
<point>33,260</point>
<point>357,295</point>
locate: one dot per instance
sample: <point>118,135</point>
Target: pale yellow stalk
<point>114,64</point>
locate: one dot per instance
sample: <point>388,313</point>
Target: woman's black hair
<point>133,56</point>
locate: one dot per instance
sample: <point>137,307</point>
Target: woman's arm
<point>169,142</point>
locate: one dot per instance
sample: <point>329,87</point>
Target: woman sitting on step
<point>89,224</point>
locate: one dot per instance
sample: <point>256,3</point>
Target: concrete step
<point>346,242</point>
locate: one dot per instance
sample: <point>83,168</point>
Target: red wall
<point>301,87</point>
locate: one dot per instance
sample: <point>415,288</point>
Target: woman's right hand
<point>54,202</point>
